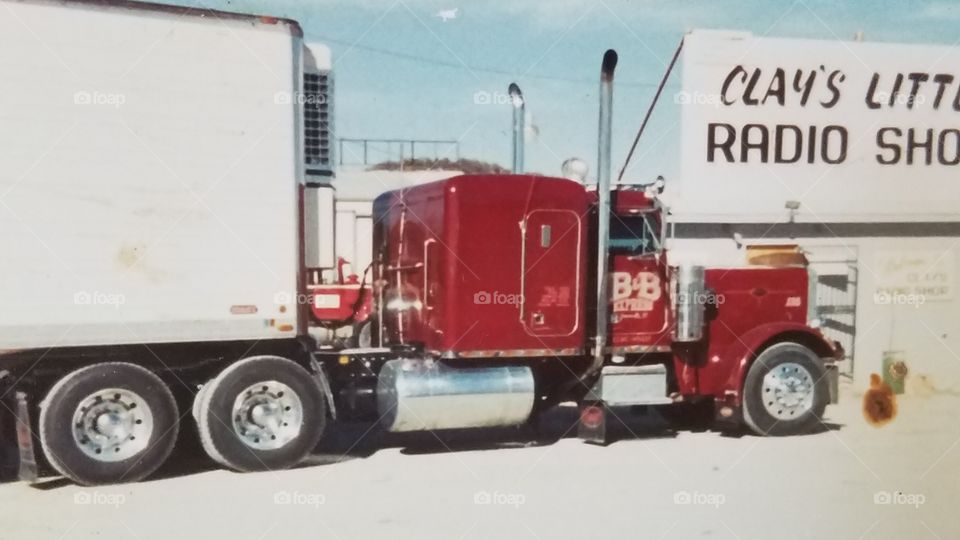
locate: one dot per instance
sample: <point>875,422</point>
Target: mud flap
<point>320,374</point>
<point>592,426</point>
<point>833,381</point>
<point>28,458</point>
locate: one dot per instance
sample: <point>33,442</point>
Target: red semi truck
<point>491,299</point>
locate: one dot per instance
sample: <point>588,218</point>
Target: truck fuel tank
<point>416,394</point>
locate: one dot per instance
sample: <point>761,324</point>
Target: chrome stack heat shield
<point>691,297</point>
<point>418,395</point>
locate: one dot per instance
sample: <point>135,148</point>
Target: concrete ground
<point>850,481</point>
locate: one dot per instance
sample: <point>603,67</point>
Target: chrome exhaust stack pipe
<point>519,112</point>
<point>603,210</point>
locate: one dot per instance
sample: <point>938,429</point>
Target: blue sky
<point>388,96</point>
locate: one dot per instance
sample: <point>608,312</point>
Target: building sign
<point>913,277</point>
<point>852,131</point>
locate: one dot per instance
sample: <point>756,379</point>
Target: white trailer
<point>152,163</point>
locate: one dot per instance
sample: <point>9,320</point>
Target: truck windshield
<point>634,235</point>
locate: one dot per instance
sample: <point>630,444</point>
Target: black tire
<point>793,420</point>
<point>60,439</point>
<point>224,443</point>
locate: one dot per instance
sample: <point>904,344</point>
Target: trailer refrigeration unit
<point>168,246</point>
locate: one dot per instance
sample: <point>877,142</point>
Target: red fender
<point>750,344</point>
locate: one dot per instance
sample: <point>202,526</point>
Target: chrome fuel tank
<point>418,394</point>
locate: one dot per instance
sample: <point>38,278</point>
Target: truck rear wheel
<point>108,423</point>
<point>786,391</point>
<point>262,413</point>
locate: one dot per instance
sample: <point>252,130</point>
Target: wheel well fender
<point>751,344</point>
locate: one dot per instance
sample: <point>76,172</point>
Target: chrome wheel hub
<point>267,415</point>
<point>113,424</point>
<point>788,391</point>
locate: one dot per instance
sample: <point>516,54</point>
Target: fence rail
<point>373,151</point>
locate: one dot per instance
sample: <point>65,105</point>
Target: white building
<point>849,150</point>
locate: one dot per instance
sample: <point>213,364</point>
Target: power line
<point>453,65</point>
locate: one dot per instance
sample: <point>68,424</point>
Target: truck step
<point>631,385</point>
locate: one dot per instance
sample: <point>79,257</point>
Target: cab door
<point>551,272</point>
<point>639,289</point>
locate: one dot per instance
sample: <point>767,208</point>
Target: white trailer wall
<point>148,176</point>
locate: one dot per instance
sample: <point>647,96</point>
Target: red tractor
<point>494,297</point>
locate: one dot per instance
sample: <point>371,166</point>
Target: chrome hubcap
<point>267,415</point>
<point>113,424</point>
<point>788,391</point>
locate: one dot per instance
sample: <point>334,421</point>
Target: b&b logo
<point>635,293</point>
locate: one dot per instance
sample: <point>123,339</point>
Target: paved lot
<point>659,484</point>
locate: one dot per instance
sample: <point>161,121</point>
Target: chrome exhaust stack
<point>519,112</point>
<point>603,210</point>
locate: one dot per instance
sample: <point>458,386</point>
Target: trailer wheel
<point>108,423</point>
<point>786,391</point>
<point>262,413</point>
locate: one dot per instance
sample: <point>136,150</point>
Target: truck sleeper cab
<point>463,289</point>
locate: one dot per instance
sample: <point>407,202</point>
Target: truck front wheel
<point>262,413</point>
<point>785,391</point>
<point>108,423</point>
